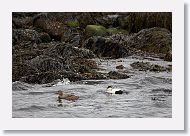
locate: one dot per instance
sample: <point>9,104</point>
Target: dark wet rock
<point>44,46</point>
<point>120,67</point>
<point>119,38</point>
<point>66,51</point>
<point>81,19</point>
<point>45,63</point>
<point>54,28</point>
<point>45,38</point>
<point>54,23</point>
<point>136,21</point>
<point>29,36</point>
<point>110,20</point>
<point>169,68</point>
<point>52,59</point>
<point>23,55</point>
<point>94,76</point>
<point>117,75</point>
<point>55,45</point>
<point>74,36</point>
<point>19,70</point>
<point>61,57</point>
<point>88,18</point>
<point>82,65</point>
<point>25,35</point>
<point>157,98</point>
<point>49,76</point>
<point>58,16</point>
<point>24,22</point>
<point>24,14</point>
<point>94,18</point>
<point>78,65</point>
<point>146,66</point>
<point>153,40</point>
<point>106,47</point>
<point>25,52</point>
<point>112,31</point>
<point>168,56</point>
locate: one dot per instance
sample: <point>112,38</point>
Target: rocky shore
<point>50,46</point>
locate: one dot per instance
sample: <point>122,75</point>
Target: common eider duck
<point>111,90</point>
<point>68,97</point>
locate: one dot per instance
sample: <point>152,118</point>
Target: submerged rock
<point>117,75</point>
<point>120,67</point>
<point>162,90</point>
<point>94,76</point>
<point>146,66</point>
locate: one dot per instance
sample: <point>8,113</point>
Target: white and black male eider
<point>111,90</point>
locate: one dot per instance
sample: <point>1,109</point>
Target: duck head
<point>60,93</point>
<point>109,88</point>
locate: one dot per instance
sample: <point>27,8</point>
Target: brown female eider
<point>68,97</point>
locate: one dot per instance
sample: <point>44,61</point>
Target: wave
<point>162,90</point>
<point>155,81</point>
<point>20,86</point>
<point>32,108</point>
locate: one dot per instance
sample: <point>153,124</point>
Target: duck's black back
<point>119,92</point>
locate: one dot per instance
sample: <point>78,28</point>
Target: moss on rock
<point>73,24</point>
<point>95,30</point>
